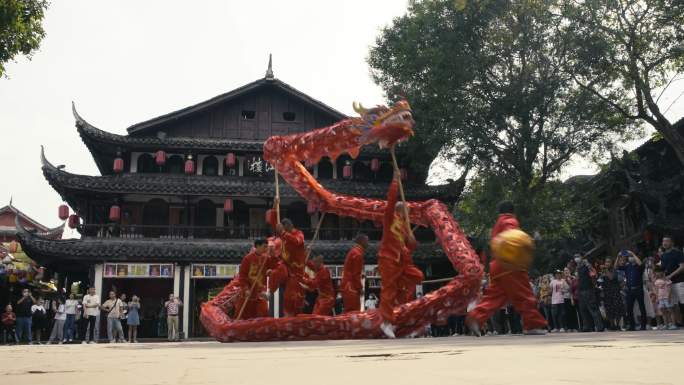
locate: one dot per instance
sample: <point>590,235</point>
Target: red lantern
<point>228,206</point>
<point>160,158</point>
<point>375,164</point>
<point>118,165</point>
<point>404,174</point>
<point>74,221</point>
<point>311,208</point>
<point>114,213</point>
<point>347,171</point>
<point>189,166</point>
<point>230,160</point>
<point>63,212</point>
<point>13,247</point>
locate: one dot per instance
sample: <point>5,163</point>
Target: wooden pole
<point>276,203</point>
<point>277,196</point>
<point>315,237</point>
<point>401,190</point>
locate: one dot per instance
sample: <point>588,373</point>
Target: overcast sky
<point>127,61</point>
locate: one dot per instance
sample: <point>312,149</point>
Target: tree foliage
<point>493,82</point>
<point>21,29</point>
<point>627,52</point>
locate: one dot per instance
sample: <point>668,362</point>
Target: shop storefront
<point>151,282</point>
<point>206,281</point>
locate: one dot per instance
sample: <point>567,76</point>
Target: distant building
<point>641,199</point>
<point>8,230</point>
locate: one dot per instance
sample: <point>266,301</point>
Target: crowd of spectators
<point>625,292</point>
<point>30,319</point>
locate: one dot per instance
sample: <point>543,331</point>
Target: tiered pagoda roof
<point>89,250</point>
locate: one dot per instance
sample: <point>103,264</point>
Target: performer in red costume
<point>351,286</point>
<point>410,276</point>
<point>291,267</point>
<point>395,237</point>
<point>322,283</point>
<point>508,284</point>
<point>252,275</point>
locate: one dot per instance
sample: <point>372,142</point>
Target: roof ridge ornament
<point>269,71</point>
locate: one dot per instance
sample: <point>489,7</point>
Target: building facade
<point>181,198</point>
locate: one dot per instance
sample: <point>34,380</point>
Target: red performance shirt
<point>323,283</point>
<point>294,251</point>
<point>393,228</point>
<point>503,223</point>
<point>353,268</point>
<point>249,270</point>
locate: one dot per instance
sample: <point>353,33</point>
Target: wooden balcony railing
<point>228,232</point>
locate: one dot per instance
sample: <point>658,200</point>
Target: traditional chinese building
<point>181,197</point>
<point>641,199</point>
<point>9,215</point>
<point>17,270</point>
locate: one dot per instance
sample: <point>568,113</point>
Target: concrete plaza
<point>651,357</point>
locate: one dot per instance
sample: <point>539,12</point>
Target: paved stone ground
<point>653,357</point>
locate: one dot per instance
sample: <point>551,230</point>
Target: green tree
<point>492,81</point>
<point>559,219</point>
<point>21,30</point>
<point>628,52</point>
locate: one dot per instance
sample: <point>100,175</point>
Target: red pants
<point>410,277</point>
<point>256,307</point>
<point>293,297</point>
<point>352,300</point>
<point>514,288</point>
<point>390,273</point>
<point>293,300</point>
<point>324,305</point>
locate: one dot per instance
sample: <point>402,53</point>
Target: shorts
<point>664,303</point>
<point>678,293</point>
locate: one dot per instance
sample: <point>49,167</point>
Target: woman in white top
<point>60,317</point>
<point>70,309</point>
<point>558,288</point>
<point>371,302</point>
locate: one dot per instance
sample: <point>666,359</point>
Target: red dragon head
<point>384,125</point>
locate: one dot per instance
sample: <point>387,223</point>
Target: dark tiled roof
<point>66,183</point>
<point>89,250</point>
<point>103,145</point>
<point>54,233</point>
<point>260,83</point>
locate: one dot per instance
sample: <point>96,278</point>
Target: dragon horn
<point>358,107</point>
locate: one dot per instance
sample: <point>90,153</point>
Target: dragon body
<point>289,154</point>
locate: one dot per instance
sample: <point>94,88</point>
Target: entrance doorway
<point>153,292</point>
<point>201,291</point>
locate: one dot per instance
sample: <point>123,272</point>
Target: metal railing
<point>111,230</point>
